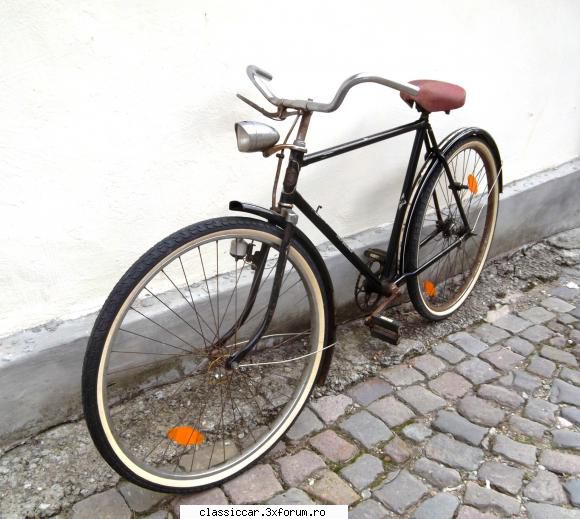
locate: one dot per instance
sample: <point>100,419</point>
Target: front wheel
<point>436,225</point>
<point>162,405</point>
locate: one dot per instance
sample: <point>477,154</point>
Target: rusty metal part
<point>395,292</point>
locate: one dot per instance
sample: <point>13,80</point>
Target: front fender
<point>328,289</point>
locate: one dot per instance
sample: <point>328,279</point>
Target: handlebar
<point>259,77</point>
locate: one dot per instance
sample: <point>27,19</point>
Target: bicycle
<point>208,348</point>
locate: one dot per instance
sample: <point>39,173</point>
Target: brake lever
<point>279,115</point>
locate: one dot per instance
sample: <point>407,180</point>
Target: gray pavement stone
<point>486,499</point>
<point>421,399</point>
<point>527,427</point>
<point>369,390</point>
<point>543,367</point>
<point>297,467</point>
<point>560,462</point>
<point>541,411</point>
<point>480,411</point>
<point>369,509</point>
<point>417,432</point>
<point>537,333</point>
<point>477,371</point>
<point>253,486</point>
<point>329,488</point>
<point>502,477</point>
<point>140,499</point>
<point>537,315</point>
<point>468,512</point>
<point>448,352</point>
<point>306,424</point>
<point>565,393</point>
<point>519,452</point>
<point>512,323</point>
<point>559,341</point>
<point>565,293</point>
<point>553,304</point>
<point>213,496</point>
<point>440,506</point>
<point>450,385</point>
<point>570,375</point>
<point>559,328</point>
<point>329,408</point>
<point>294,496</point>
<point>546,488</point>
<point>502,358</point>
<point>565,439</point>
<point>576,312</point>
<point>429,365</point>
<point>333,447</point>
<point>459,427</point>
<point>453,453</point>
<point>363,471</point>
<point>500,395</point>
<point>402,375</point>
<point>520,346</point>
<point>521,380</point>
<point>566,239</point>
<point>544,511</point>
<point>557,355</point>
<point>401,492</point>
<point>367,429</point>
<point>490,334</point>
<point>397,450</point>
<point>468,343</point>
<point>566,318</point>
<point>572,487</point>
<point>391,411</point>
<point>107,505</point>
<point>436,474</point>
<point>571,413</point>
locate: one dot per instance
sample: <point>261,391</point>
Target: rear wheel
<point>436,224</point>
<point>162,405</point>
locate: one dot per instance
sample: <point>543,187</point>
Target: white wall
<point>116,118</point>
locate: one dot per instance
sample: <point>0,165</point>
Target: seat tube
<point>295,161</point>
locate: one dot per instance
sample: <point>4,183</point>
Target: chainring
<point>365,299</point>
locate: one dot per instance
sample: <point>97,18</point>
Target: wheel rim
<point>182,419</point>
<point>445,285</point>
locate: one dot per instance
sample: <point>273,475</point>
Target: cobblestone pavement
<point>475,418</point>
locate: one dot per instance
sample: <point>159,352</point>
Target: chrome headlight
<point>254,136</point>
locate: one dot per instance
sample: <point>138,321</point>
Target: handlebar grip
<point>252,71</point>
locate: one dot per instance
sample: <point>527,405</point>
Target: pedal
<point>385,328</point>
<point>376,254</point>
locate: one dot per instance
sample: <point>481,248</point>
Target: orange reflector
<point>472,183</point>
<point>184,435</point>
<point>430,288</point>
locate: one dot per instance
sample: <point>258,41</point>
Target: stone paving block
<point>459,427</point>
<point>450,385</point>
<point>401,492</point>
<point>543,367</point>
<point>453,453</point>
<point>402,375</point>
<point>572,487</point>
<point>417,432</point>
<point>363,471</point>
<point>294,496</point>
<point>557,355</point>
<point>502,358</point>
<point>487,499</point>
<point>546,488</point>
<point>448,352</point>
<point>565,293</point>
<point>329,408</point>
<point>559,328</point>
<point>436,474</point>
<point>391,411</point>
<point>329,488</point>
<point>429,365</point>
<point>512,450</point>
<point>468,512</point>
<point>480,411</point>
<point>537,315</point>
<point>500,395</point>
<point>537,333</point>
<point>369,390</point>
<point>477,371</point>
<point>521,380</point>
<point>566,319</point>
<point>468,343</point>
<point>297,467</point>
<point>565,439</point>
<point>397,451</point>
<point>527,427</point>
<point>106,505</point>
<point>571,413</point>
<point>367,429</point>
<point>421,399</point>
<point>558,341</point>
<point>306,424</point>
<point>565,393</point>
<point>502,477</point>
<point>490,334</point>
<point>553,304</point>
<point>520,346</point>
<point>576,312</point>
<point>560,462</point>
<point>213,496</point>
<point>545,511</point>
<point>253,486</point>
<point>140,499</point>
<point>512,323</point>
<point>440,506</point>
<point>541,411</point>
<point>570,375</point>
<point>333,447</point>
<point>369,509</point>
